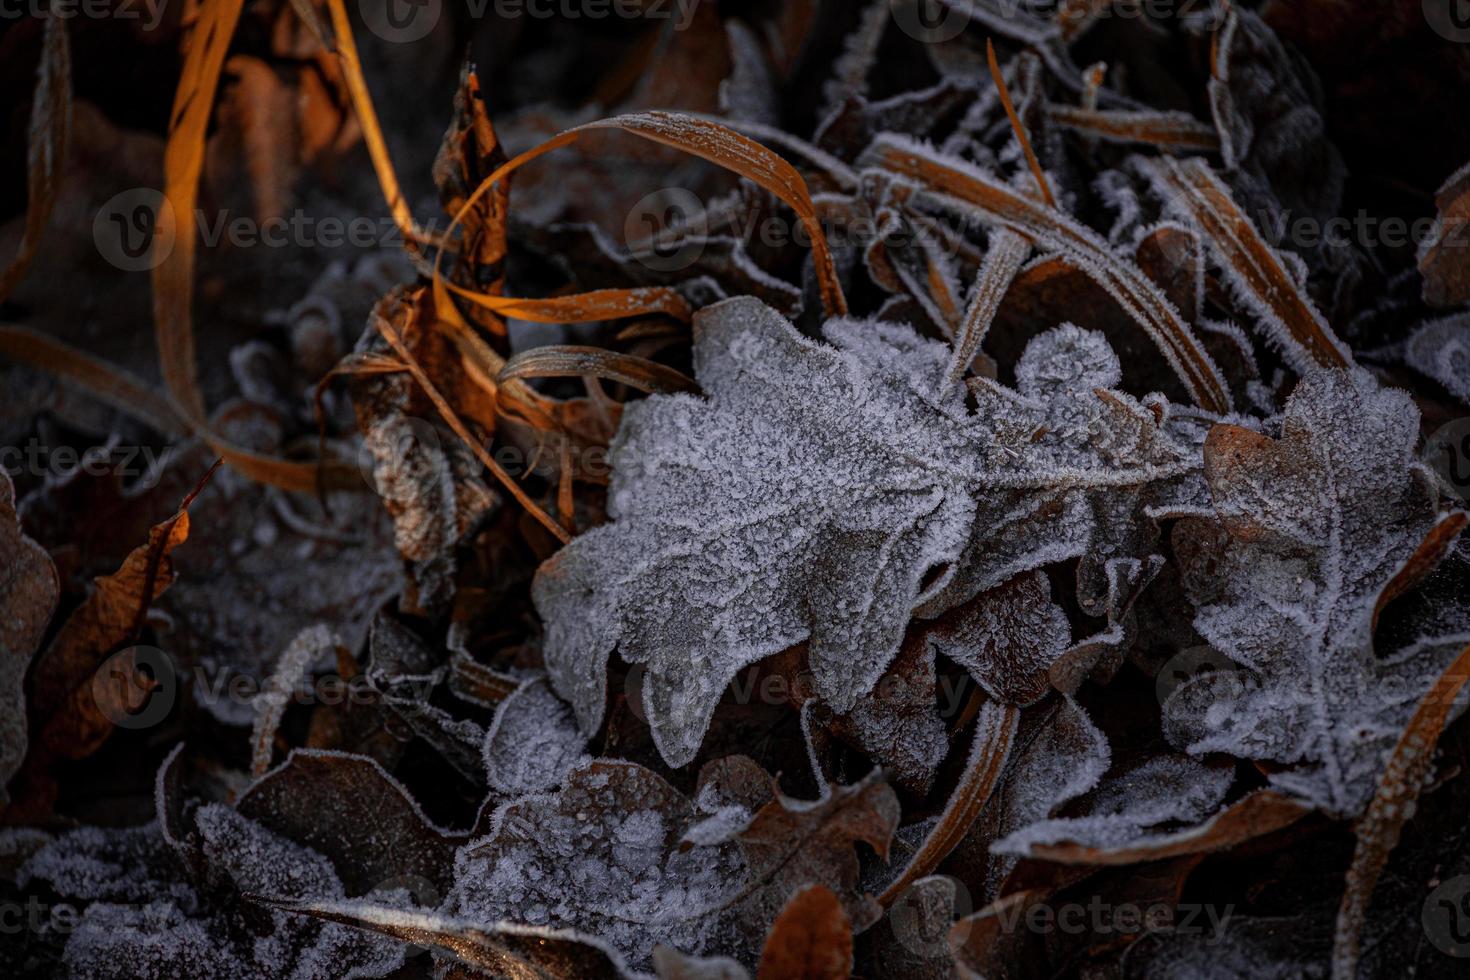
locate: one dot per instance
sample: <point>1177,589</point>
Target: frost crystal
<point>1164,790</point>
<point>825,492</point>
<point>602,856</point>
<point>533,742</point>
<point>1313,533</point>
<point>147,918</point>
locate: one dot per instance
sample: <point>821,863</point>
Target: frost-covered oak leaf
<point>1314,532</point>
<point>144,917</point>
<point>825,492</point>
<point>619,854</point>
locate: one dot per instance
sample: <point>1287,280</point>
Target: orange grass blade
<point>954,186</point>
<point>390,334</point>
<point>1256,270</point>
<point>1020,130</point>
<point>173,279</point>
<point>596,362</point>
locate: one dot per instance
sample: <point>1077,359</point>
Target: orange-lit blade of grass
<point>173,279</point>
<point>599,304</point>
<point>1253,267</point>
<point>390,334</point>
<point>577,362</point>
<point>719,145</point>
<point>1379,828</point>
<point>367,118</point>
<point>113,385</point>
<point>183,160</point>
<point>956,187</point>
<point>1172,130</point>
<point>1005,100</point>
<point>744,156</point>
<point>130,394</point>
<point>46,157</point>
<point>483,363</point>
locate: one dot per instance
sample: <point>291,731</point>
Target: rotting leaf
<point>348,809</point>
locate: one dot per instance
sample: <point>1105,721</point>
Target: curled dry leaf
<point>1442,254</point>
<point>78,693</point>
<point>1441,349</point>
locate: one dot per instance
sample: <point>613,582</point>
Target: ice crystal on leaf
<point>533,742</point>
<point>824,493</point>
<point>1315,531</point>
<point>146,916</point>
<point>1164,790</point>
<point>620,854</point>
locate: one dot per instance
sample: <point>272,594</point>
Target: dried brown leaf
<point>28,594</point>
<point>810,940</point>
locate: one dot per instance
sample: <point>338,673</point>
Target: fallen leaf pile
<point>916,489</point>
